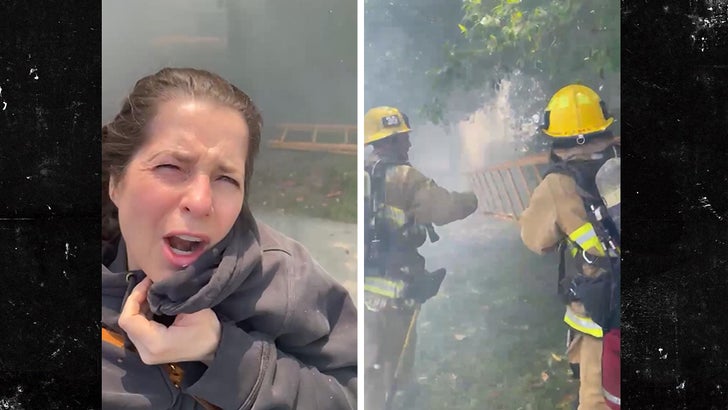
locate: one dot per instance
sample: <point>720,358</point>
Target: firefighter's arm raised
<point>433,204</point>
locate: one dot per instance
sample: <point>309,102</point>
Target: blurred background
<point>297,61</point>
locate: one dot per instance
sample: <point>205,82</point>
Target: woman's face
<point>183,190</point>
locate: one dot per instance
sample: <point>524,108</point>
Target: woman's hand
<point>192,337</point>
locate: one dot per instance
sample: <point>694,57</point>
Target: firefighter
<point>564,215</point>
<point>402,206</point>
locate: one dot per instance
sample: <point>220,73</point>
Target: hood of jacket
<point>207,283</point>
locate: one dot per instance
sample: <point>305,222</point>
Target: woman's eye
<point>169,166</point>
<point>230,180</point>
<point>169,170</point>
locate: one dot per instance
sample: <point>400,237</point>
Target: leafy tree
<point>552,42</point>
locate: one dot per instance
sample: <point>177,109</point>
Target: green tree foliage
<point>553,42</point>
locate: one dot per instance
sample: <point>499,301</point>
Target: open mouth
<point>184,244</point>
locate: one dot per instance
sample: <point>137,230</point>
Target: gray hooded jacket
<point>288,330</point>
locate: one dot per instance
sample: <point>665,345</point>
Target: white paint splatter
<point>34,70</point>
<point>66,253</point>
<point>709,26</point>
<point>9,403</point>
<point>706,204</point>
<point>681,386</point>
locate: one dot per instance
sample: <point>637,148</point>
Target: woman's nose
<point>198,198</point>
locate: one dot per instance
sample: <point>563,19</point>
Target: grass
<point>313,184</point>
<point>493,337</point>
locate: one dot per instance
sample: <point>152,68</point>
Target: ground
<point>493,337</point>
<point>315,184</point>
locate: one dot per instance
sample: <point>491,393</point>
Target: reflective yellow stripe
<point>394,214</point>
<point>586,237</point>
<point>612,398</point>
<point>383,287</point>
<point>574,250</point>
<point>582,324</point>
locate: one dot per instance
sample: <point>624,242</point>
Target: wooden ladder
<point>333,138</point>
<point>505,189</point>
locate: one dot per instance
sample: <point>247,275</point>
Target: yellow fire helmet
<point>575,111</point>
<point>383,122</point>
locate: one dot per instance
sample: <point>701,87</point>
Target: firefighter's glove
<point>595,295</point>
<point>424,286</point>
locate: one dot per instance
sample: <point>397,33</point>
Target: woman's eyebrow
<point>229,168</point>
<point>180,156</point>
<point>226,167</point>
